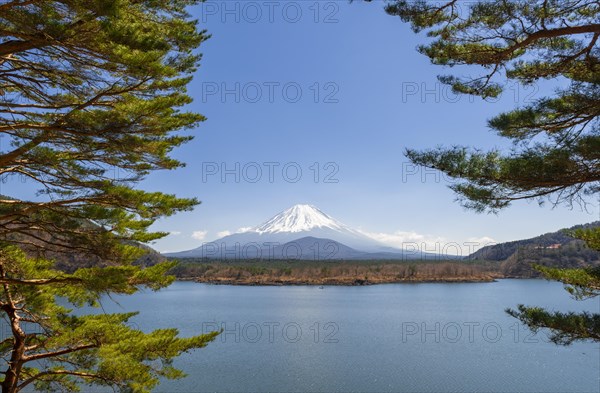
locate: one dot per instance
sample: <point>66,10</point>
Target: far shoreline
<point>339,283</point>
<point>348,273</point>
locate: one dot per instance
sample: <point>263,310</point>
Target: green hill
<point>556,249</point>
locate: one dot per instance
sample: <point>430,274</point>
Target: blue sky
<point>366,94</point>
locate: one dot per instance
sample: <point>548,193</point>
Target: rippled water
<point>385,338</point>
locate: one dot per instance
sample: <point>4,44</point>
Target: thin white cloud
<point>199,235</point>
<point>223,234</point>
<point>411,240</point>
<point>483,241</point>
<point>175,233</point>
<point>243,229</point>
<point>400,238</point>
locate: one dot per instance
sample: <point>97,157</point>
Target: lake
<point>385,338</point>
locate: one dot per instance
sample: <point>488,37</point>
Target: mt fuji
<point>308,221</point>
<point>302,231</point>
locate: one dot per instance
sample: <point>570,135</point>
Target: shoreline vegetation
<point>342,273</point>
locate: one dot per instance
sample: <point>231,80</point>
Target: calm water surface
<point>385,338</point>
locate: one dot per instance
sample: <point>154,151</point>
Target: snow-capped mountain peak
<point>299,218</point>
<point>302,226</point>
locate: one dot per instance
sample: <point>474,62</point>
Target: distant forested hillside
<point>556,249</point>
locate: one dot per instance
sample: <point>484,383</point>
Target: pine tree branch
<point>16,3</point>
<point>37,282</point>
<point>550,33</point>
<point>66,351</point>
<point>62,372</point>
<point>8,158</point>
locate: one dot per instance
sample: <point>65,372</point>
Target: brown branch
<point>62,372</point>
<point>551,33</point>
<point>58,353</point>
<point>7,158</point>
<point>36,282</point>
<point>41,40</point>
<point>16,3</point>
<point>15,46</point>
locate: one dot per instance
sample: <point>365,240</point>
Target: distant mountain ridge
<point>303,232</point>
<point>291,232</point>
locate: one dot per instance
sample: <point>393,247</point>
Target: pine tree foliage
<point>92,100</point>
<point>92,94</point>
<point>566,328</point>
<point>51,348</point>
<point>556,139</point>
<point>583,283</point>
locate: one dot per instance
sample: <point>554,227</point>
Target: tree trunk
<point>11,378</point>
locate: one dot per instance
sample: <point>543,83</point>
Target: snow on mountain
<point>305,221</point>
<point>299,218</point>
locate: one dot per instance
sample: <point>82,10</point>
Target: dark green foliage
<point>96,349</point>
<point>581,283</point>
<point>589,235</point>
<point>92,100</point>
<point>565,327</point>
<point>92,95</point>
<point>556,140</point>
